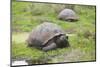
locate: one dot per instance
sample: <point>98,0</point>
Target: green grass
<point>84,48</point>
<point>26,16</point>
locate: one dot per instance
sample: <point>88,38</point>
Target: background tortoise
<point>47,36</point>
<point>68,15</point>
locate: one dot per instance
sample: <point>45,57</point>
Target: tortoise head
<point>62,41</point>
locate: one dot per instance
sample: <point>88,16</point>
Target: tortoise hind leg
<point>50,47</point>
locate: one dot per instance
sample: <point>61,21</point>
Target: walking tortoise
<point>48,36</point>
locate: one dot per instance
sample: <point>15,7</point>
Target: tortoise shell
<point>43,33</point>
<point>68,15</point>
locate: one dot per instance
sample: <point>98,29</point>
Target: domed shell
<point>43,33</point>
<point>68,14</point>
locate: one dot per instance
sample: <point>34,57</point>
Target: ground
<point>26,16</point>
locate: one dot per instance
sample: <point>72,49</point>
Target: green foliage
<point>27,15</point>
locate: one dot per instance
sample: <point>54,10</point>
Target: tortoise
<point>68,15</point>
<point>47,36</point>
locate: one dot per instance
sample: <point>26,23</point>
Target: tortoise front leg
<point>50,47</point>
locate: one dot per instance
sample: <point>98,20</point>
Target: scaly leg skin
<point>50,47</point>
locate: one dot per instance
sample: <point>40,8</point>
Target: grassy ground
<point>26,16</point>
<point>80,50</point>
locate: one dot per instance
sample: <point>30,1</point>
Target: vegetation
<point>27,15</point>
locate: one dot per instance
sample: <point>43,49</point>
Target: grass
<point>26,16</point>
<point>82,48</point>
